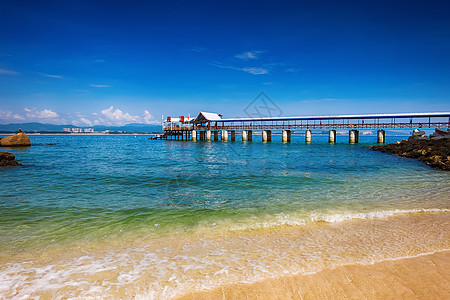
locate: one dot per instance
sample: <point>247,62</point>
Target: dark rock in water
<point>433,152</point>
<point>17,140</point>
<point>8,159</point>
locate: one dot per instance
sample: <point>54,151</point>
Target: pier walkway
<point>207,126</point>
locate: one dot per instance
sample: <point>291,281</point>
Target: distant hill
<point>40,127</point>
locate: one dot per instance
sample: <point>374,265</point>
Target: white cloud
<point>249,55</point>
<point>31,115</point>
<point>7,116</point>
<point>148,118</point>
<point>117,117</point>
<point>99,85</point>
<point>109,116</point>
<point>99,60</point>
<point>50,75</point>
<point>86,121</point>
<point>8,72</point>
<point>250,70</point>
<point>43,114</point>
<point>255,70</point>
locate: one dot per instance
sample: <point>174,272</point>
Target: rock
<point>433,152</point>
<point>419,133</point>
<point>17,140</point>
<point>8,159</point>
<point>440,134</point>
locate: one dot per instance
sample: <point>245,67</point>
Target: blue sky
<point>118,62</point>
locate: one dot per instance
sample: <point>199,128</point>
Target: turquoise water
<point>92,186</point>
<point>77,190</point>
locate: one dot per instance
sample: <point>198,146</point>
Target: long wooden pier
<point>207,126</point>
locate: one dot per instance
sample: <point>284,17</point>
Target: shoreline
<point>423,276</point>
<point>141,266</point>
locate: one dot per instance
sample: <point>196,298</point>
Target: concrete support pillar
<point>216,135</point>
<point>308,136</point>
<point>249,135</point>
<point>208,135</point>
<point>194,135</point>
<point>332,136</point>
<point>266,136</point>
<point>353,136</point>
<point>286,136</point>
<point>381,136</point>
<point>244,136</point>
<point>233,135</point>
<point>224,135</point>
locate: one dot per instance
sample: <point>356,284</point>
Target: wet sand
<point>419,277</point>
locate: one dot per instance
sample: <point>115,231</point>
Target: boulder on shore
<point>17,140</point>
<point>8,159</point>
<point>433,152</point>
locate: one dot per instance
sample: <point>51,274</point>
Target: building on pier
<point>177,128</point>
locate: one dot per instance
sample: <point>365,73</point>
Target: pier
<point>207,126</point>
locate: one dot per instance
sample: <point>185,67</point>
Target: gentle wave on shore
<point>423,276</point>
<point>166,267</point>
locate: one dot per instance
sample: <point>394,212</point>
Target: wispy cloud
<point>100,85</point>
<point>198,49</point>
<point>50,75</point>
<point>292,70</point>
<point>255,70</point>
<point>250,70</point>
<point>99,60</point>
<point>8,72</point>
<point>249,55</point>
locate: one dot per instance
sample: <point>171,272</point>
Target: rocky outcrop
<point>8,159</point>
<point>434,151</point>
<point>17,140</point>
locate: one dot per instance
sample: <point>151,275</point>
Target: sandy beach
<point>420,277</point>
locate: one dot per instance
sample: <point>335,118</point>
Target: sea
<point>126,217</point>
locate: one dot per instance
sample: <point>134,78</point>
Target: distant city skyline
<point>92,63</point>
